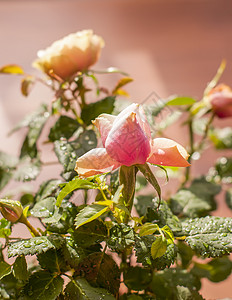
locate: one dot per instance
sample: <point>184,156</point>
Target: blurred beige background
<point>167,46</point>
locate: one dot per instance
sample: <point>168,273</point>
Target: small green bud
<point>11,210</point>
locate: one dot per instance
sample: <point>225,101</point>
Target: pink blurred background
<point>167,46</point>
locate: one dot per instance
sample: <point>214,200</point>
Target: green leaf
<point>163,216</point>
<point>180,101</point>
<point>75,184</point>
<point>146,171</point>
<point>209,236</point>
<point>63,128</point>
<point>52,261</point>
<point>28,151</point>
<point>90,234</point>
<point>90,213</point>
<point>9,287</point>
<point>93,110</point>
<point>35,121</point>
<point>11,69</point>
<point>229,198</point>
<point>5,228</point>
<point>27,84</point>
<point>5,177</point>
<point>142,203</point>
<point>216,270</point>
<point>164,283</point>
<point>27,170</point>
<point>223,170</point>
<point>20,268</point>
<point>43,285</point>
<point>35,245</point>
<point>148,228</point>
<point>72,253</point>
<point>47,189</point>
<point>185,254</point>
<point>121,237</point>
<point>136,278</point>
<point>82,290</point>
<point>63,218</point>
<point>5,269</point>
<point>100,268</point>
<point>68,152</point>
<point>221,137</point>
<point>158,247</point>
<point>8,160</point>
<point>197,200</point>
<point>44,208</point>
<point>143,253</point>
<point>123,81</point>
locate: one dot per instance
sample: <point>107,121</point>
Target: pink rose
<point>220,99</point>
<point>126,139</point>
<point>75,52</point>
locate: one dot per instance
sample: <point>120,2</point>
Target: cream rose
<point>75,52</point>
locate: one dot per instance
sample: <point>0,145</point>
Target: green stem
<point>192,150</point>
<point>24,220</point>
<point>127,177</point>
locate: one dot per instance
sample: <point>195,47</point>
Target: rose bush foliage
<point>107,230</point>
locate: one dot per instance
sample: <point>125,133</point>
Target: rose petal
<point>95,161</point>
<point>167,152</point>
<point>127,143</point>
<point>104,124</point>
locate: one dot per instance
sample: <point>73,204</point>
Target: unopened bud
<point>11,210</point>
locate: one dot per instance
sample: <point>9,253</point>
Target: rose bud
<point>11,210</point>
<point>127,141</point>
<point>75,52</point>
<point>220,99</point>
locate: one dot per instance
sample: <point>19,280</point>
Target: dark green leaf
<point>223,170</point>
<point>180,101</point>
<point>163,216</point>
<point>82,290</point>
<point>35,245</point>
<point>75,184</point>
<point>186,254</point>
<point>9,287</point>
<point>136,278</point>
<point>221,137</point>
<point>209,236</point>
<point>63,128</point>
<point>102,270</point>
<point>90,213</point>
<point>164,283</point>
<point>93,110</point>
<point>43,285</point>
<point>90,233</point>
<point>197,200</point>
<point>27,170</point>
<point>229,198</point>
<point>28,151</point>
<point>20,268</point>
<point>11,69</point>
<point>121,237</point>
<point>72,253</point>
<point>216,270</point>
<point>5,269</point>
<point>142,203</point>
<point>52,261</point>
<point>5,177</point>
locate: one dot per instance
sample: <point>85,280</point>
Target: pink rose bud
<point>75,52</point>
<point>11,210</point>
<point>126,140</point>
<point>220,99</point>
